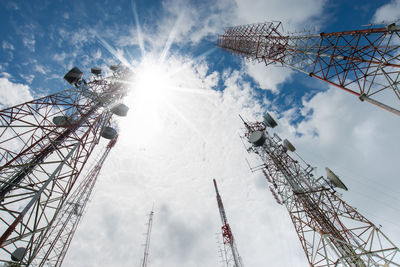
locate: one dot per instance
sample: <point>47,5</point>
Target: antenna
<point>331,232</point>
<point>148,234</point>
<point>232,254</point>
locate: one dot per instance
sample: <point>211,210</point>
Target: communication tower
<point>44,146</point>
<point>331,232</point>
<point>365,63</point>
<point>231,256</point>
<point>58,239</point>
<point>147,244</point>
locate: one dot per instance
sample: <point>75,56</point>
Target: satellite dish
<point>257,138</point>
<point>334,179</point>
<point>269,121</point>
<point>18,254</point>
<point>114,67</point>
<point>288,145</point>
<point>108,133</point>
<point>96,71</point>
<point>73,76</point>
<point>120,110</point>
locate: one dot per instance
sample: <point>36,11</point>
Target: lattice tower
<point>231,255</point>
<point>147,244</point>
<point>365,63</point>
<point>331,232</point>
<point>44,146</point>
<point>54,247</point>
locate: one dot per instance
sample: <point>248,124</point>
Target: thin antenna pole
<point>148,234</point>
<point>227,234</point>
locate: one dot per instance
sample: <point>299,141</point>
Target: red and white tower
<point>331,232</point>
<point>365,63</point>
<point>232,257</point>
<point>54,247</point>
<point>147,244</point>
<point>44,146</point>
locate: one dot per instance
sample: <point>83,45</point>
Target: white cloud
<point>28,78</point>
<point>5,75</point>
<point>269,77</point>
<point>171,160</point>
<point>13,93</point>
<point>41,69</point>
<point>96,54</point>
<point>7,45</point>
<point>388,13</point>
<point>356,140</point>
<point>291,13</point>
<point>59,57</point>
<point>29,42</point>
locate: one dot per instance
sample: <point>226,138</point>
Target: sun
<point>152,84</point>
<point>152,93</point>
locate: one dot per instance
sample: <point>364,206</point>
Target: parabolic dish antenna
<point>288,145</point>
<point>334,179</point>
<point>257,138</point>
<point>269,121</point>
<point>73,76</point>
<point>18,254</point>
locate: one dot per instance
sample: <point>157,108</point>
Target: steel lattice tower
<point>58,239</point>
<point>331,232</point>
<point>365,63</point>
<point>147,244</point>
<point>232,257</point>
<point>44,146</point>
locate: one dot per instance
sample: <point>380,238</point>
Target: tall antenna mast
<point>331,232</point>
<point>232,255</point>
<point>147,244</point>
<point>365,63</point>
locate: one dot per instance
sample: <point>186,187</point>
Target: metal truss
<point>149,224</point>
<point>365,63</point>
<point>331,232</point>
<point>44,145</point>
<point>53,249</point>
<point>230,251</point>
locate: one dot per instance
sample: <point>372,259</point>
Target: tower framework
<point>365,63</point>
<point>44,146</point>
<point>331,232</point>
<point>231,256</point>
<point>147,244</point>
<point>58,239</point>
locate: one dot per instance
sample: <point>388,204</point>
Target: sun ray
<point>170,39</point>
<point>138,28</point>
<point>195,60</point>
<point>114,52</point>
<point>193,90</point>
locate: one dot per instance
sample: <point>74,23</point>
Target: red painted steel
<point>44,146</point>
<point>363,62</point>
<point>331,232</point>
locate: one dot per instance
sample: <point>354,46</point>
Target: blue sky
<point>171,148</point>
<point>43,39</point>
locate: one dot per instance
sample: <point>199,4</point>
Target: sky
<point>183,128</point>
